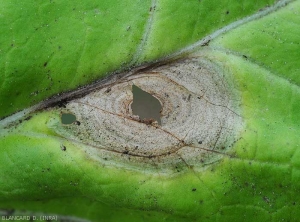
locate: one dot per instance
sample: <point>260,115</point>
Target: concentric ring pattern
<point>199,121</point>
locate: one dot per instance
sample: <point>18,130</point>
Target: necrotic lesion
<point>196,106</point>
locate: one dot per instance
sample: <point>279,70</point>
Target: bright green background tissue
<point>54,46</point>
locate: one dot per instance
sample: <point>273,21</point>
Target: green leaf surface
<point>256,180</point>
<point>271,42</point>
<point>49,47</point>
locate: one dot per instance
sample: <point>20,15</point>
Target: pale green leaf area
<point>49,47</point>
<point>272,42</point>
<point>256,180</point>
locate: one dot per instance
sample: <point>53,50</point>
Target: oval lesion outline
<point>200,121</point>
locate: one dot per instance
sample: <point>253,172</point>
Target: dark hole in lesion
<point>68,118</point>
<point>146,106</point>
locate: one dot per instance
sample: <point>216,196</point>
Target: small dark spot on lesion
<point>108,90</point>
<point>62,104</point>
<point>227,12</point>
<point>205,43</point>
<point>63,148</point>
<point>194,189</point>
<point>77,123</point>
<point>177,169</point>
<point>45,64</point>
<point>28,118</point>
